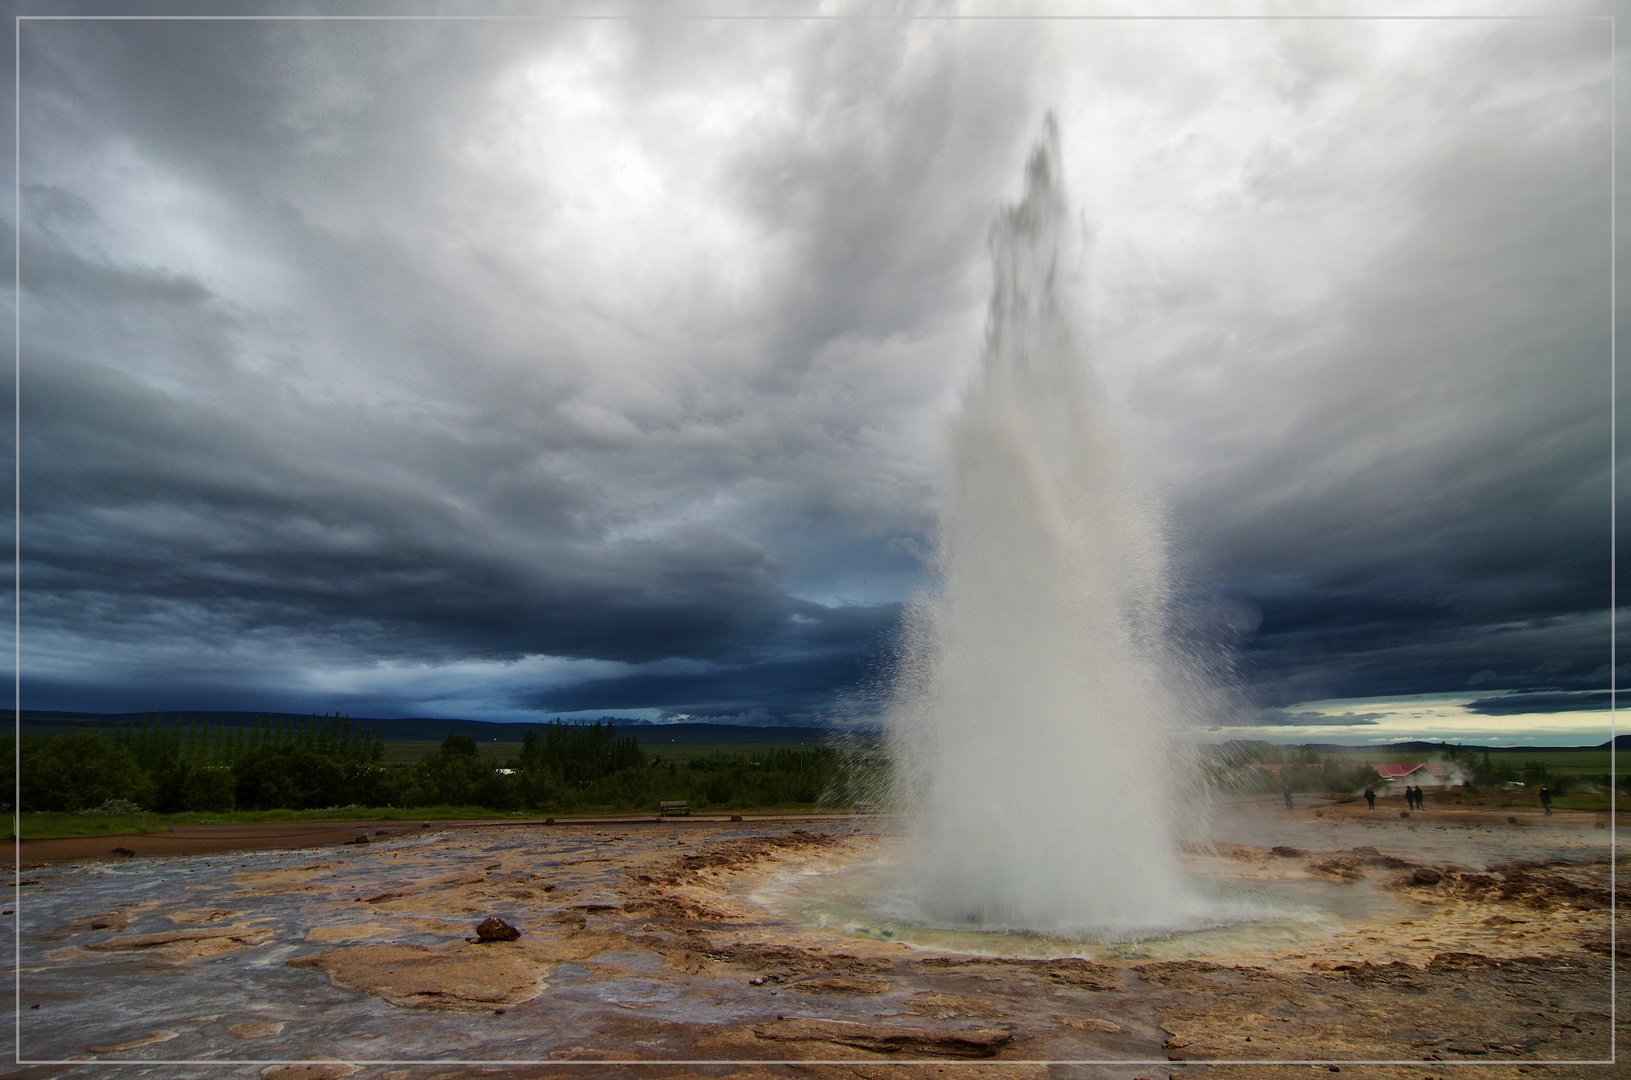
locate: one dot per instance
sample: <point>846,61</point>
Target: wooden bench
<point>668,809</point>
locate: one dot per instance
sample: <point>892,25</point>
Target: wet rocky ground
<point>1470,945</point>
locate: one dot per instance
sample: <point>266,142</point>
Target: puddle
<point>636,991</point>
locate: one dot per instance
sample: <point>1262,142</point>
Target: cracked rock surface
<point>653,942</point>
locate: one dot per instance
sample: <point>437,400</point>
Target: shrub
<point>116,806</point>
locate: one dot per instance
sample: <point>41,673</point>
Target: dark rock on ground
<point>494,928</point>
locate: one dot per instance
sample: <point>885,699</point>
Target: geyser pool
<point>1245,913</point>
<point>1034,702</point>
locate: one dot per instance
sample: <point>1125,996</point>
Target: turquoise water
<point>1233,915</point>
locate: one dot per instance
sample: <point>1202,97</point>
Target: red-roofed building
<point>1430,774</point>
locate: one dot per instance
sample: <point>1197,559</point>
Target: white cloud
<point>1426,717</point>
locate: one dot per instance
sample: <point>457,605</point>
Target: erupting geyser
<point>1034,705</point>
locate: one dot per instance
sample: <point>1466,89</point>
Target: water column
<point>1033,704</point>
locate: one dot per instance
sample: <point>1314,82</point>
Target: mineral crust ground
<point>1472,945</point>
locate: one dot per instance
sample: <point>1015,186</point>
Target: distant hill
<point>39,721</point>
<point>1410,746</point>
<point>426,729</point>
<point>1416,746</point>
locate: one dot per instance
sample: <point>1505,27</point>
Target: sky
<point>1505,718</point>
<point>511,369</point>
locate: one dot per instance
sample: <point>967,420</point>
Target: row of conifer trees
<point>170,765</point>
<point>155,740</point>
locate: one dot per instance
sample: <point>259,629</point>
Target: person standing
<point>1370,796</point>
<point>1546,800</point>
<point>1288,798</point>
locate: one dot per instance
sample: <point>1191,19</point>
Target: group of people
<point>1412,797</point>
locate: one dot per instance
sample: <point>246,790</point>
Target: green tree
<point>289,776</point>
<point>209,787</point>
<point>78,771</point>
<point>532,750</point>
<point>458,745</point>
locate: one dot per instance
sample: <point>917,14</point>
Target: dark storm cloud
<point>1560,652</point>
<point>887,118</point>
<point>496,368</point>
<point>1282,718</point>
<point>828,650</point>
<point>320,444</point>
<point>191,511</point>
<point>1407,478</point>
<point>1538,703</point>
<point>53,271</point>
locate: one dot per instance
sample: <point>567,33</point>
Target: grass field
<point>407,751</point>
<point>685,752</point>
<point>1573,762</point>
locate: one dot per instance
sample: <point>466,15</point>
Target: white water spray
<point>1034,705</point>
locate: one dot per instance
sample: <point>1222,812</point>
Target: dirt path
<point>202,839</point>
<point>266,835</point>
